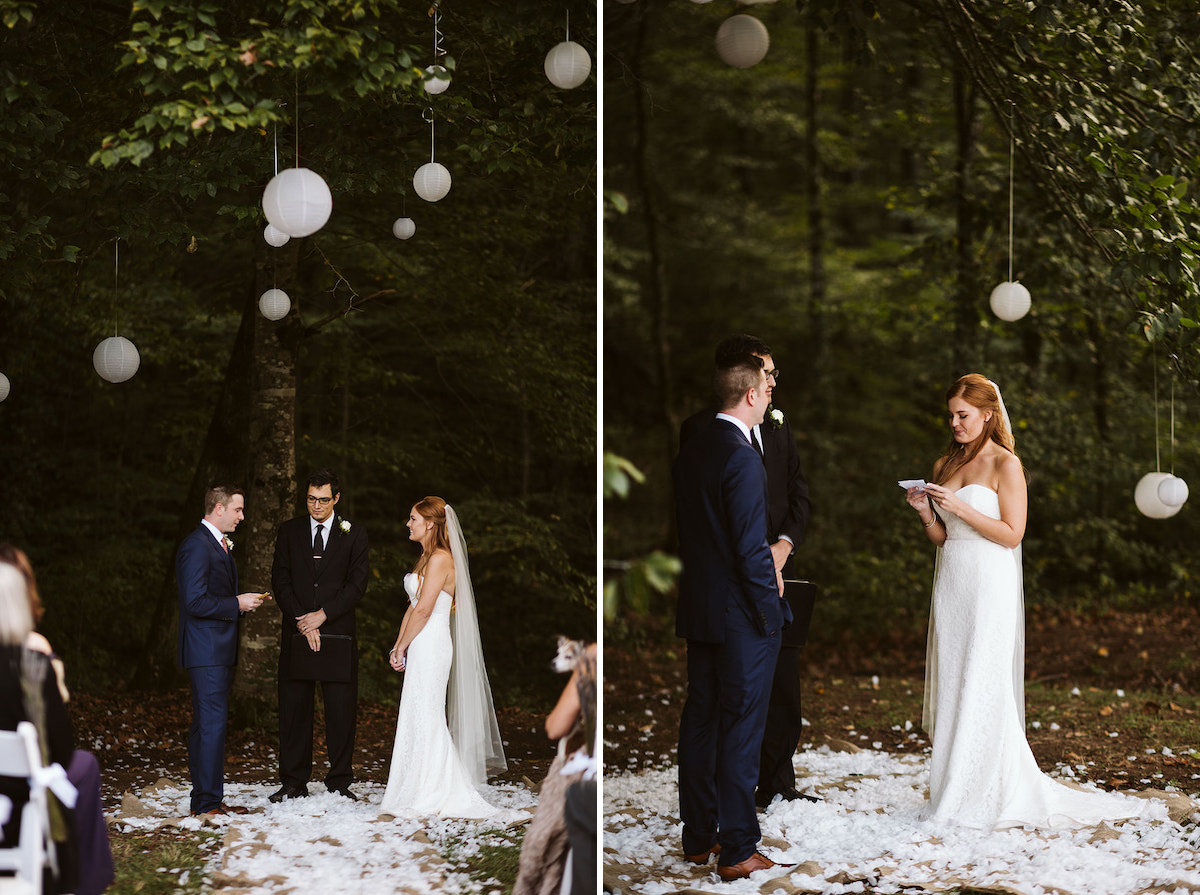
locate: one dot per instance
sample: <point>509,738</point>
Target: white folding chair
<point>19,757</point>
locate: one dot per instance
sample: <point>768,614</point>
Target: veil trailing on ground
<point>929,709</point>
<point>470,713</point>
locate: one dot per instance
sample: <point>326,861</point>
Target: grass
<point>161,862</point>
<point>492,862</point>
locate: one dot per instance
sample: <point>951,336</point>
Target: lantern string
<point>116,280</point>
<point>568,24</point>
<point>1157,463</point>
<point>297,117</point>
<point>1011,153</point>
<point>438,49</point>
<point>428,116</point>
<point>275,132</point>
<point>1172,421</point>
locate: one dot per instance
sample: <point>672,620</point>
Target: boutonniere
<point>775,416</point>
<point>229,543</point>
<point>343,525</point>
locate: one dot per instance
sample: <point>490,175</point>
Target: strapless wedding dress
<point>427,777</point>
<point>982,772</point>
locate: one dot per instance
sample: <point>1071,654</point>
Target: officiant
<point>319,575</point>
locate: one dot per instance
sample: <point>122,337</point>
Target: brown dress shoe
<point>756,861</point>
<point>703,857</point>
<point>235,809</point>
<point>220,809</point>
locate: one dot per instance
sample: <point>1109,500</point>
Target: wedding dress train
<point>982,772</point>
<point>427,775</point>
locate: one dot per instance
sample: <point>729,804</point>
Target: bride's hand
<point>918,498</point>
<point>396,660</point>
<point>944,499</point>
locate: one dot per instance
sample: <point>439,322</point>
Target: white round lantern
<point>275,237</point>
<point>116,359</point>
<point>297,202</point>
<point>701,1</point>
<point>432,181</point>
<point>1145,495</point>
<point>742,41</point>
<point>3,386</point>
<point>1172,491</point>
<point>404,228</point>
<point>274,304</point>
<point>439,81</point>
<point>1010,301</point>
<point>568,65</point>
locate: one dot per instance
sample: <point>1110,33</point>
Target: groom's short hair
<point>219,494</point>
<point>319,478</point>
<point>732,348</point>
<point>732,381</point>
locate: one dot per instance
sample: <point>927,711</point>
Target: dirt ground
<point>1132,721</point>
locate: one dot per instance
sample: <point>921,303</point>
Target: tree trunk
<point>818,390</point>
<point>966,317</point>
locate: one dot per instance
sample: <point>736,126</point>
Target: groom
<point>732,613</point>
<point>319,575</point>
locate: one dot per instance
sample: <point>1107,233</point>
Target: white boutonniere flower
<point>229,544</point>
<point>344,525</point>
<point>776,417</point>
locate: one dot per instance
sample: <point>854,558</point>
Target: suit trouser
<point>785,724</point>
<point>720,736</point>
<point>206,737</point>
<point>297,700</point>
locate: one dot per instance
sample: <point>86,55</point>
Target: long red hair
<point>979,392</point>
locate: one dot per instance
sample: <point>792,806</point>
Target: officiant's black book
<point>331,663</point>
<point>801,595</point>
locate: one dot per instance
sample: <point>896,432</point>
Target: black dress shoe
<point>763,798</point>
<point>345,791</point>
<point>288,792</point>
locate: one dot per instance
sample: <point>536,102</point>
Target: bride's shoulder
<point>1007,464</point>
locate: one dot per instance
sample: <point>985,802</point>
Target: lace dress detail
<point>982,772</point>
<point>427,777</point>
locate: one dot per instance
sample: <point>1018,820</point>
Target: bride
<point>437,763</point>
<point>982,773</point>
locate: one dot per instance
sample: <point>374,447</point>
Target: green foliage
<point>161,863</point>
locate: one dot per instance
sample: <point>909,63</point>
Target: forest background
<point>135,143</point>
<point>847,200</point>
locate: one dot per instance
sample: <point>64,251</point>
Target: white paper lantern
<point>701,1</point>
<point>404,228</point>
<point>742,41</point>
<point>116,359</point>
<point>275,237</point>
<point>274,304</point>
<point>440,80</point>
<point>1172,491</point>
<point>1010,301</point>
<point>432,181</point>
<point>3,386</point>
<point>297,202</point>
<point>1145,495</point>
<point>568,65</point>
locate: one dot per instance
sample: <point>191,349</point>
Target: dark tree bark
<point>966,316</point>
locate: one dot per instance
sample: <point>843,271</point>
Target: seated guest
<point>89,849</point>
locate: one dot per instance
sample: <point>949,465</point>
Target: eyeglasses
<point>320,501</point>
<point>773,374</point>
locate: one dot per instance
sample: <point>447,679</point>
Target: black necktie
<point>318,543</point>
<point>754,441</point>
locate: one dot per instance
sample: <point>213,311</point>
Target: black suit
<point>301,585</point>
<point>788,509</point>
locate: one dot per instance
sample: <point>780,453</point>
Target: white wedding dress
<point>982,772</point>
<point>427,776</point>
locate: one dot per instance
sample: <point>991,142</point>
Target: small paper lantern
<point>1145,495</point>
<point>432,181</point>
<point>742,41</point>
<point>275,237</point>
<point>1010,301</point>
<point>297,202</point>
<point>3,386</point>
<point>404,228</point>
<point>274,304</point>
<point>1172,491</point>
<point>568,65</point>
<point>439,81</point>
<point>116,359</point>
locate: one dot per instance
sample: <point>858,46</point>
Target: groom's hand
<point>780,551</point>
<point>249,601</point>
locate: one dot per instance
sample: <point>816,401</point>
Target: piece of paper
<point>913,483</point>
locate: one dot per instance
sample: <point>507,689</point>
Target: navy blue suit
<point>732,615</point>
<point>208,641</point>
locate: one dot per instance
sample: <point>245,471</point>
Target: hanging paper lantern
<point>275,237</point>
<point>3,386</point>
<point>1010,301</point>
<point>116,359</point>
<point>274,304</point>
<point>742,41</point>
<point>432,181</point>
<point>701,1</point>
<point>438,81</point>
<point>1145,495</point>
<point>404,228</point>
<point>568,65</point>
<point>1172,491</point>
<point>297,202</point>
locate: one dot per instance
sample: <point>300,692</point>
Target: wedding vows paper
<point>913,483</point>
